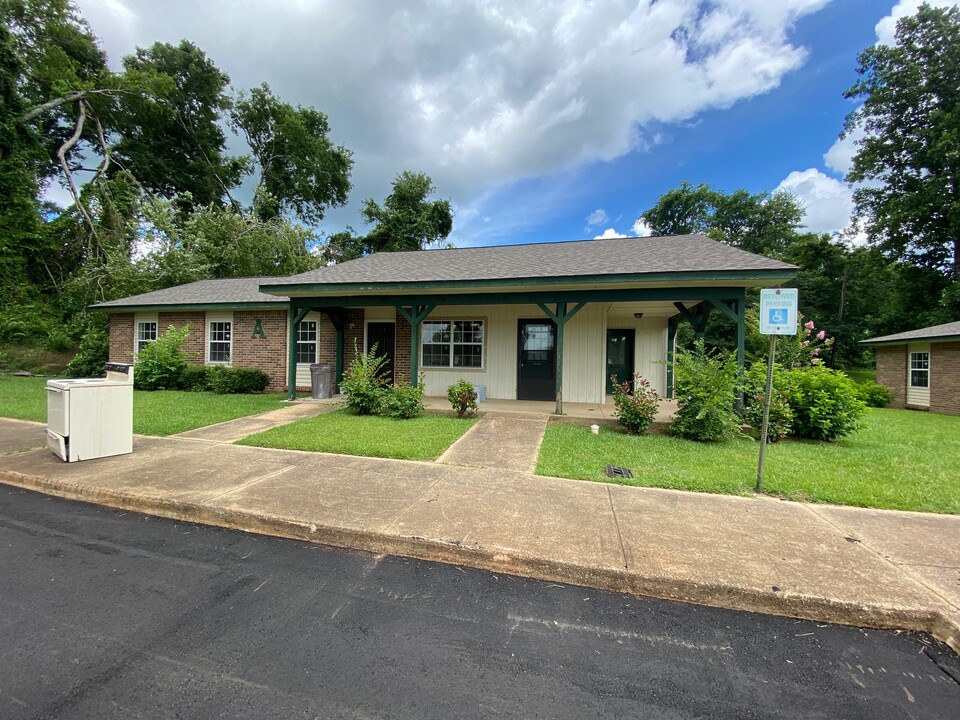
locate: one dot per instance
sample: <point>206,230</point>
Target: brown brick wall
<point>945,378</point>
<point>401,365</point>
<point>352,335</point>
<point>121,337</point>
<point>194,346</point>
<point>892,372</point>
<point>269,353</point>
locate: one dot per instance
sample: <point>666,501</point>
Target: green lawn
<point>902,460</point>
<point>164,412</point>
<point>422,438</point>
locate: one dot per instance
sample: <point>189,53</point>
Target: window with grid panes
<point>452,344</point>
<point>220,341</point>
<point>920,369</point>
<point>146,333</point>
<point>307,342</point>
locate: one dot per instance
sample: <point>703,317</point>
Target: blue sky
<point>546,121</point>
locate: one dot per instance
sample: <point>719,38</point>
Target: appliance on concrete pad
<point>91,417</point>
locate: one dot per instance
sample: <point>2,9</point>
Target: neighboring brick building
<point>921,367</point>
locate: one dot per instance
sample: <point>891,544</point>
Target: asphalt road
<point>105,614</point>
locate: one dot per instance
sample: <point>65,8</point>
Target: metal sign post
<point>778,316</point>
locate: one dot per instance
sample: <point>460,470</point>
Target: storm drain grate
<point>615,471</point>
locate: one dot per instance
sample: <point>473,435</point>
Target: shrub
<point>160,364</point>
<point>706,392</point>
<point>873,394</point>
<point>635,407</point>
<point>195,378</point>
<point>824,402</point>
<point>780,421</point>
<point>93,352</point>
<point>237,380</point>
<point>404,401</point>
<point>363,382</point>
<point>462,397</point>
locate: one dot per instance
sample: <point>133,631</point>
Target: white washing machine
<point>91,417</point>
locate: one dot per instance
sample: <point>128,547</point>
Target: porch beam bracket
<point>727,307</point>
<point>560,317</point>
<point>672,325</point>
<point>297,314</point>
<point>414,316</point>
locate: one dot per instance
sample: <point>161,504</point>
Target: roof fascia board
<point>290,289</point>
<point>908,341</point>
<point>277,305</point>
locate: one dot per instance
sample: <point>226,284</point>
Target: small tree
<point>706,392</point>
<point>364,382</point>
<point>160,364</point>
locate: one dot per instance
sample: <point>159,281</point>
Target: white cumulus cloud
<point>887,26</point>
<point>641,228</point>
<point>597,217</point>
<point>609,233</point>
<point>828,202</point>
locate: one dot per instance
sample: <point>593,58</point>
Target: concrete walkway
<point>233,430</point>
<point>847,565</point>
<point>500,441</point>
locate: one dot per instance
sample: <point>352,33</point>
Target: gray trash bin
<point>321,381</point>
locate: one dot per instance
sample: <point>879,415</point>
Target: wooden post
<point>296,317</point>
<point>414,316</point>
<point>560,317</point>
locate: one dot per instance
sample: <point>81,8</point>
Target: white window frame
<point>452,344</point>
<point>219,318</point>
<point>315,342</point>
<point>143,320</point>
<point>920,357</point>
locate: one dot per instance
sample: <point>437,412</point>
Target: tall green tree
<point>171,140</point>
<point>763,223</point>
<point>407,220</point>
<point>909,158</point>
<point>301,170</point>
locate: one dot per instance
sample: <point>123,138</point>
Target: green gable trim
<point>643,278</point>
<point>279,305</point>
<point>914,341</point>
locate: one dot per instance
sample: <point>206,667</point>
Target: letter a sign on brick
<point>258,330</point>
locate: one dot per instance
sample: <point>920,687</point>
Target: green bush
<point>93,352</point>
<point>364,383</point>
<point>706,392</point>
<point>236,380</point>
<point>462,397</point>
<point>195,378</point>
<point>160,364</point>
<point>635,407</point>
<point>780,421</point>
<point>824,402</point>
<point>873,394</point>
<point>404,401</point>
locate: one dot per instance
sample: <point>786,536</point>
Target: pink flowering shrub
<point>635,407</point>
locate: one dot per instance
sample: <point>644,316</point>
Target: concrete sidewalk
<point>863,567</point>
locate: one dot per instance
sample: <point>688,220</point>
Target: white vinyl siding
<point>583,357</point>
<point>919,371</point>
<point>323,326</point>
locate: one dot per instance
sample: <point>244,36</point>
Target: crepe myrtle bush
<point>635,403</point>
<point>824,402</point>
<point>160,364</point>
<point>462,397</point>
<point>780,422</point>
<point>706,395</point>
<point>404,402</point>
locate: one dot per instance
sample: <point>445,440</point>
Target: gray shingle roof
<point>946,331</point>
<point>225,291</point>
<point>608,257</point>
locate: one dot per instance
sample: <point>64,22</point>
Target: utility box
<point>481,393</point>
<point>322,381</point>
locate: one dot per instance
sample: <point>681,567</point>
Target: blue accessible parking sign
<point>778,311</point>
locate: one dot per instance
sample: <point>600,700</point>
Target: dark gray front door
<point>537,372</point>
<point>619,357</point>
<point>383,335</point>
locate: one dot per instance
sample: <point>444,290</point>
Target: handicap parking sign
<point>778,311</point>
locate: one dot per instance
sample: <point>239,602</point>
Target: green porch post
<point>560,317</point>
<point>339,370</point>
<point>672,326</point>
<point>337,318</point>
<point>296,317</point>
<point>416,315</point>
<point>741,342</point>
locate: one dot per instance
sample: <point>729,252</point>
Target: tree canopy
<point>908,163</point>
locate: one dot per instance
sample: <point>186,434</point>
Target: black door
<point>537,374</point>
<point>383,335</point>
<point>619,357</point>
